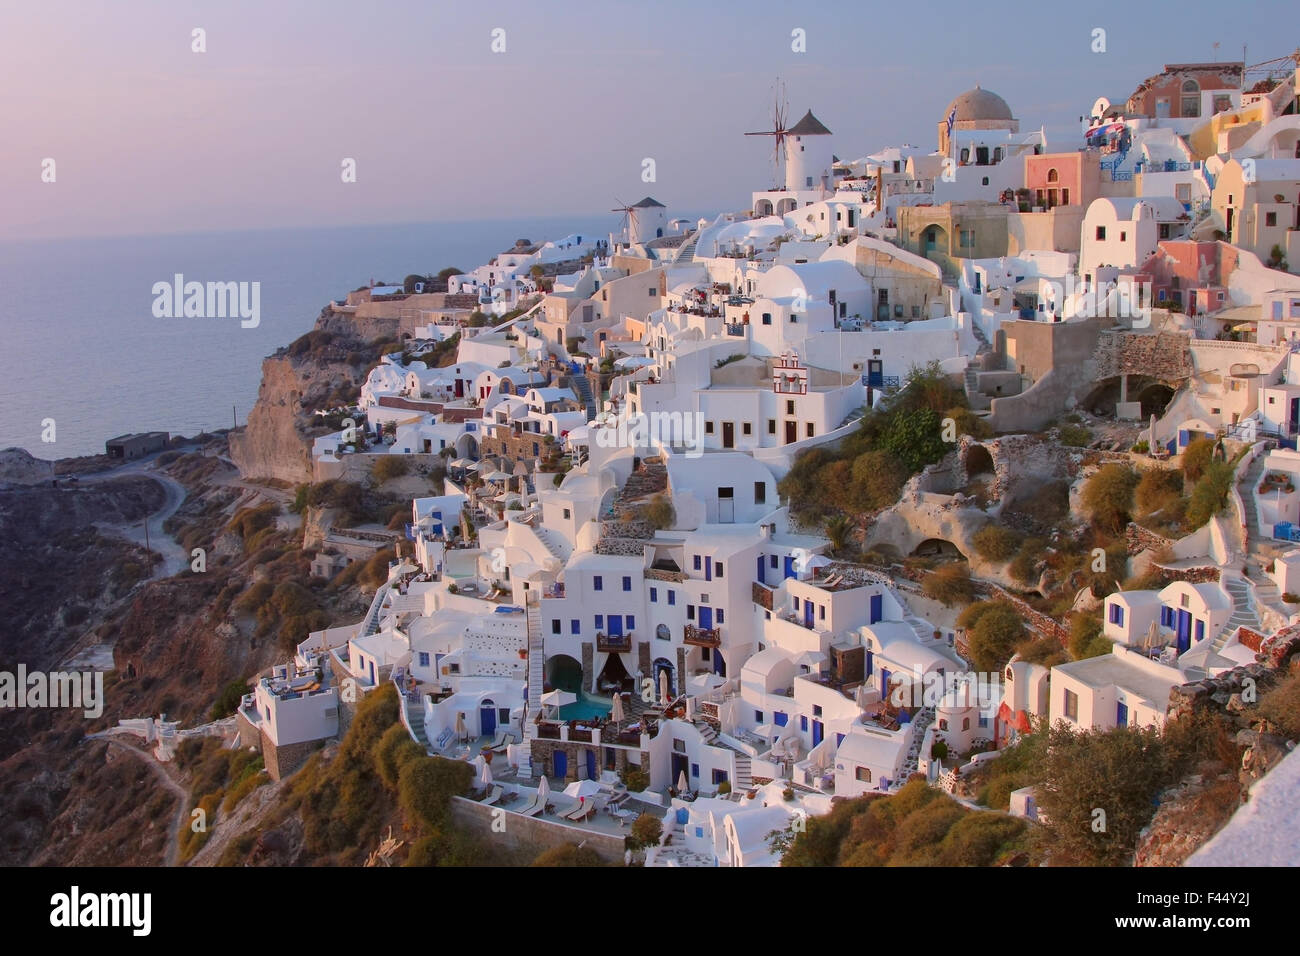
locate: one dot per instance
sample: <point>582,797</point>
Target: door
<point>1200,631</point>
<point>1293,423</point>
<point>706,618</point>
<point>615,625</point>
<point>728,434</point>
<point>817,732</point>
<point>1121,714</point>
<point>487,718</point>
<point>561,765</point>
<point>808,610</point>
<point>762,569</point>
<point>789,567</point>
<point>1184,630</point>
<point>719,665</point>
<point>681,765</point>
<point>592,773</point>
<point>877,608</point>
<point>791,432</point>
<point>884,683</point>
<point>876,373</point>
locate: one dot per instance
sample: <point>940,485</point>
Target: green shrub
<point>1075,436</point>
<point>389,467</point>
<point>996,542</point>
<point>1210,495</point>
<point>951,584</point>
<point>1197,457</point>
<point>647,830</point>
<point>1108,496</point>
<point>993,638</point>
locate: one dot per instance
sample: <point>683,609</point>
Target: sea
<point>82,351</point>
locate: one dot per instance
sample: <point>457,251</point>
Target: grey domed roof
<point>978,104</point>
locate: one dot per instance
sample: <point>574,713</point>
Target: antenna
<point>778,132</point>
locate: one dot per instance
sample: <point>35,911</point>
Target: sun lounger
<point>532,809</point>
<point>492,797</point>
<point>500,742</point>
<point>576,813</point>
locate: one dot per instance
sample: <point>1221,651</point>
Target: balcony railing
<point>659,574</point>
<point>613,643</point>
<point>762,596</point>
<point>702,636</point>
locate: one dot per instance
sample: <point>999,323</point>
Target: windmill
<point>629,219</point>
<point>778,132</point>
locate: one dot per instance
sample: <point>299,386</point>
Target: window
<point>984,720</point>
<point>984,181</point>
<point>708,428</point>
<point>943,723</point>
<point>631,623</point>
<point>555,625</point>
<point>772,561</point>
<point>696,562</point>
<point>566,514</point>
<point>767,318</point>
<point>1123,236</point>
<point>627,583</point>
<point>719,776</point>
<point>575,626</point>
<point>760,492</point>
<point>965,723</point>
<point>600,622</point>
<point>803,723</point>
<point>424,658</point>
<point>758,716</point>
<point>654,595</point>
<point>598,582</point>
<point>652,292</point>
<point>863,774</point>
<point>663,633</point>
<point>771,426</point>
<point>789,407</point>
<point>1071,705</point>
<point>690,612</point>
<point>1053,176</point>
<point>809,429</point>
<point>1101,233</point>
<point>1117,615</point>
<point>821,611</point>
<point>679,746</point>
<point>717,565</point>
<point>672,597</point>
<point>695,772</point>
<point>746,428</point>
<point>1270,219</point>
<point>722,616</point>
<point>817,710</point>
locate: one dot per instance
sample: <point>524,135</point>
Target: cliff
<point>322,369</point>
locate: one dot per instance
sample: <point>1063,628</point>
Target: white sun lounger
<point>492,797</point>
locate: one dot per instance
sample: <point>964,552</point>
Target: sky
<point>150,137</point>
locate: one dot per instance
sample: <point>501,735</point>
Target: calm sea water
<point>80,343</point>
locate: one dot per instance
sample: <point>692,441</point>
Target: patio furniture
<point>492,797</point>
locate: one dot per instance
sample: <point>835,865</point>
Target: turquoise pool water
<point>586,707</point>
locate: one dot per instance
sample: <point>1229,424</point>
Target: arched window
<point>965,723</point>
<point>1191,101</point>
<point>965,156</point>
<point>1053,176</point>
<point>1190,86</point>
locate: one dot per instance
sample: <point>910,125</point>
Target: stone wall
<point>283,761</point>
<point>1138,539</point>
<point>1165,356</point>
<point>531,833</point>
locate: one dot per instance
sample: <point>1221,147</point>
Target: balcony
<point>762,595</point>
<point>702,636</point>
<point>659,574</point>
<point>613,643</point>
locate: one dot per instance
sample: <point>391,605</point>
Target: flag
<point>952,118</point>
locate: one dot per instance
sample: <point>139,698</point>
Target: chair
<point>532,809</point>
<point>492,797</point>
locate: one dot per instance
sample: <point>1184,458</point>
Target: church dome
<point>979,105</point>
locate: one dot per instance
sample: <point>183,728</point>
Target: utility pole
<point>147,549</point>
<point>234,422</point>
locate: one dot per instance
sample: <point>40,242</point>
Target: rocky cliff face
<point>320,370</point>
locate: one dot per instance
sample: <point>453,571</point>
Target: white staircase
<point>536,664</point>
<point>744,777</point>
<point>687,252</point>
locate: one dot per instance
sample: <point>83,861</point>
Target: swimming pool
<point>586,707</point>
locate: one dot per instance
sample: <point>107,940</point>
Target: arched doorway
<point>978,461</point>
<point>663,665</point>
<point>487,717</point>
<point>563,672</point>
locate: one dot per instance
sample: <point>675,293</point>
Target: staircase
<point>413,709</point>
<point>536,675</point>
<point>744,777</point>
<point>920,722</point>
<point>580,384</point>
<point>370,624</point>
<point>1243,615</point>
<point>687,252</point>
<point>707,731</point>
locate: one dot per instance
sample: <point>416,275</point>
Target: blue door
<point>591,765</point>
<point>706,618</point>
<point>708,569</point>
<point>487,717</point>
<point>561,765</point>
<point>808,610</point>
<point>1121,714</point>
<point>884,682</point>
<point>615,625</point>
<point>877,608</point>
<point>1184,630</point>
<point>681,765</point>
<point>762,569</point>
<point>871,663</point>
<point>1184,437</point>
<point>817,732</point>
<point>719,665</point>
<point>789,567</point>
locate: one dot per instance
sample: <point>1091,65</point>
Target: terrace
<point>702,636</point>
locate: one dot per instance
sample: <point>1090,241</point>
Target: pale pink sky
<point>149,137</point>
